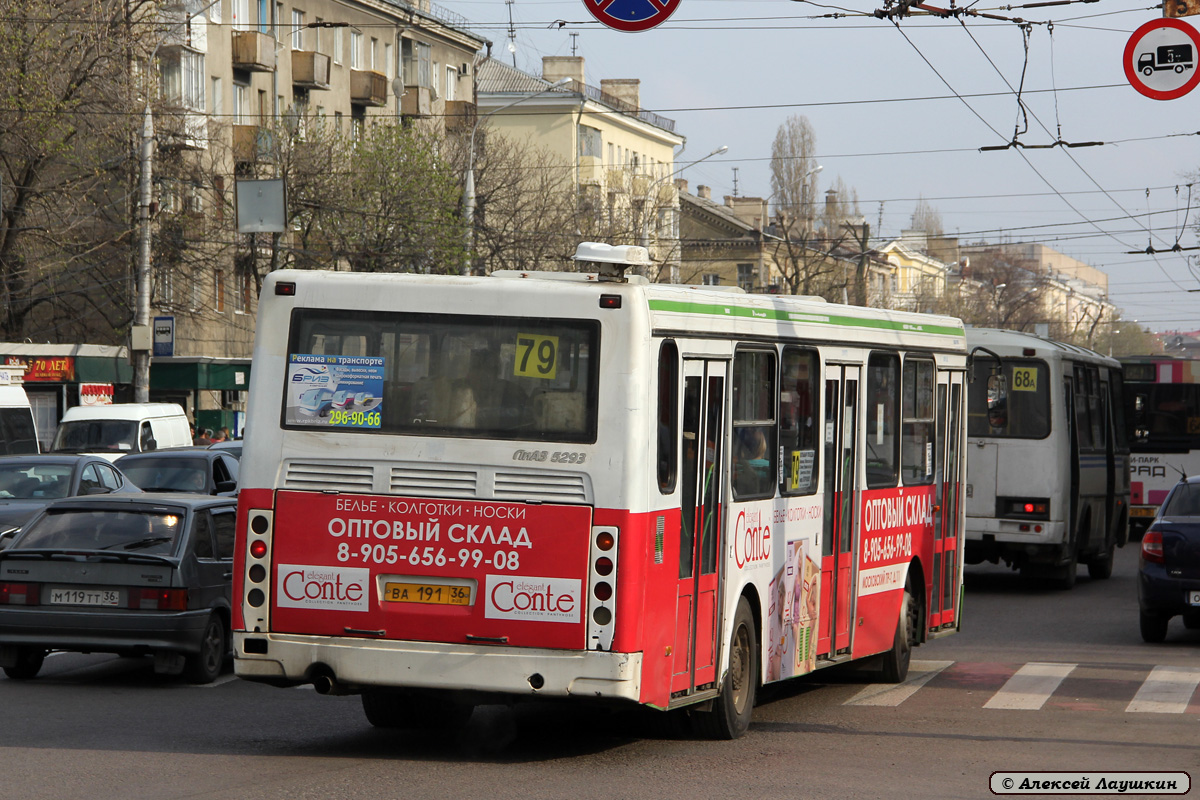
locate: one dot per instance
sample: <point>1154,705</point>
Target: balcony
<point>251,143</point>
<point>253,51</point>
<point>618,180</point>
<point>416,102</point>
<point>368,88</point>
<point>591,172</point>
<point>460,115</point>
<point>310,70</point>
<point>186,130</point>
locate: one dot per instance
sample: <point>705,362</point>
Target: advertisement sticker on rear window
<point>334,391</point>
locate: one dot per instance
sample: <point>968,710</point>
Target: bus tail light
<point>602,599</point>
<point>1152,547</point>
<point>1023,507</point>
<point>20,594</point>
<point>256,589</point>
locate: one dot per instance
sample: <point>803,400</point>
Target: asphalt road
<point>101,727</point>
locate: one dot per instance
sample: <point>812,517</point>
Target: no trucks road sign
<point>631,15</point>
<point>1160,59</point>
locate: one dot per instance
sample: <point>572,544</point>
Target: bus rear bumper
<point>354,664</point>
<point>989,539</point>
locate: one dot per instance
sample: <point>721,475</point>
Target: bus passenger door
<point>943,594</point>
<point>837,538</point>
<point>698,606</point>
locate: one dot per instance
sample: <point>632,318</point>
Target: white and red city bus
<point>1162,407</point>
<point>457,489</point>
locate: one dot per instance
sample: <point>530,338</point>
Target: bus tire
<point>1153,626</point>
<point>1100,567</point>
<point>731,711</point>
<point>896,660</point>
<point>28,664</point>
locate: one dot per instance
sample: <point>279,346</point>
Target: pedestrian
<point>219,436</point>
<point>198,436</point>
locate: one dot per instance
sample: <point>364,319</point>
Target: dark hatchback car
<point>29,483</point>
<point>131,575</point>
<point>199,470</point>
<point>1169,569</point>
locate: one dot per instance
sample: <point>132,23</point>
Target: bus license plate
<point>79,596</point>
<point>1194,598</point>
<point>1141,512</point>
<point>435,594</point>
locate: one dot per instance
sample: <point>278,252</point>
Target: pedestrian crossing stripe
<point>1164,690</point>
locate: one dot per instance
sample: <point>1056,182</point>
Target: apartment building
<point>228,73</point>
<point>622,156</point>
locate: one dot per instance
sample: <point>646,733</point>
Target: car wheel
<point>1154,626</point>
<point>29,663</point>
<point>205,666</point>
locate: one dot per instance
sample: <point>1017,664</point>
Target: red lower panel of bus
<point>453,571</point>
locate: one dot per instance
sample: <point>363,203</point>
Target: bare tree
<point>927,219</point>
<point>65,143</point>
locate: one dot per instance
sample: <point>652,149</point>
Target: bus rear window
<point>1013,403</point>
<point>442,375</point>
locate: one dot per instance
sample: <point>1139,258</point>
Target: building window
<point>278,22</point>
<point>590,143</point>
<point>338,46</point>
<point>181,76</point>
<point>218,99</point>
<point>372,55</point>
<point>264,16</point>
<point>417,57</point>
<point>745,276</point>
<point>451,83</point>
<point>297,29</point>
<point>219,290</point>
<point>320,36</point>
<point>356,50</point>
<point>389,68</point>
<point>241,15</point>
<point>712,279</point>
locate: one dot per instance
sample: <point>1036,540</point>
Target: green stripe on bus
<point>722,310</point>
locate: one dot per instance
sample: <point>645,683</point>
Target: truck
<point>1168,56</point>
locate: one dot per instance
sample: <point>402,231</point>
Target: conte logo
<point>337,588</point>
<point>537,599</point>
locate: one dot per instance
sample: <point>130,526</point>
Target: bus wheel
<point>1064,576</point>
<point>28,664</point>
<point>896,660</point>
<point>399,709</point>
<point>1101,566</point>
<point>730,715</point>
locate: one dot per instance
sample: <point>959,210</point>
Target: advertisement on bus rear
<point>334,391</point>
<point>430,570</point>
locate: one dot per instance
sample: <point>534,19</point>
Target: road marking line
<point>1030,687</point>
<point>893,694</point>
<point>1167,690</point>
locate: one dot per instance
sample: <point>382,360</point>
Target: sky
<point>901,110</point>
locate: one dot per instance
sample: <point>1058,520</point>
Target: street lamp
<point>654,186</point>
<point>469,181</point>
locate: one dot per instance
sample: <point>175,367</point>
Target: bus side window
<point>667,422</point>
<point>883,399</point>
<point>798,428</point>
<point>754,449</point>
<point>917,445</point>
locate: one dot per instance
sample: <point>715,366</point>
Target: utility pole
<point>864,258</point>
<point>140,340</point>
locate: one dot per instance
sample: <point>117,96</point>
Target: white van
<point>18,431</point>
<point>118,429</point>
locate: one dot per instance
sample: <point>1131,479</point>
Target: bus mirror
<point>997,400</point>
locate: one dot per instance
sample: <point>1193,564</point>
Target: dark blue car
<point>1169,573</point>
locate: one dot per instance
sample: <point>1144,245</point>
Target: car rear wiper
<point>149,541</point>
